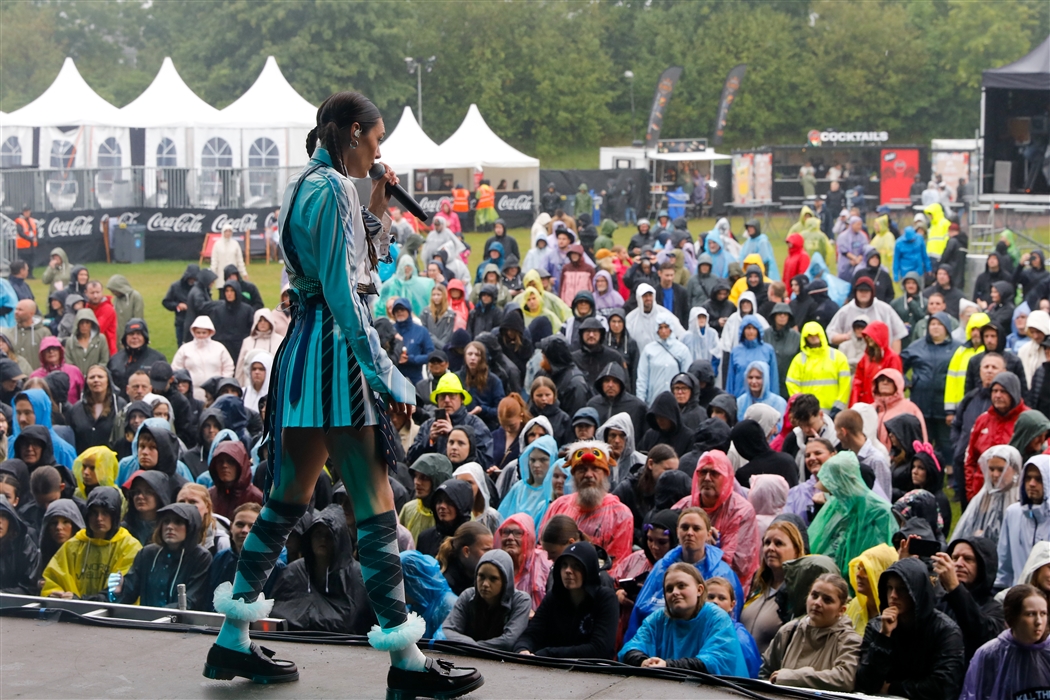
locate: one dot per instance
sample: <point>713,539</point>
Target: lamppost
<point>630,81</point>
<point>417,65</point>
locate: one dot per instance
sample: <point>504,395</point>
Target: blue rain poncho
<point>64,453</point>
<point>760,245</point>
<point>425,586</point>
<point>708,636</point>
<point>524,497</point>
<point>767,396</point>
<point>408,284</point>
<point>720,257</point>
<point>651,597</point>
<point>746,352</point>
<point>838,290</point>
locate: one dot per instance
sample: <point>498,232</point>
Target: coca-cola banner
<point>171,234</point>
<point>515,208</point>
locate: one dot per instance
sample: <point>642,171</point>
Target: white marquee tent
<point>408,147</point>
<point>272,120</point>
<point>475,147</point>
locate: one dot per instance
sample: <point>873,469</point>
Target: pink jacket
<point>531,576</point>
<point>892,406</point>
<point>76,378</point>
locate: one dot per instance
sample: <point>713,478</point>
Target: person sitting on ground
<point>821,650</point>
<point>33,408</point>
<point>173,556</point>
<point>606,521</point>
<point>1018,659</point>
<point>492,613</point>
<point>427,593</point>
<point>458,555</point>
<point>82,566</point>
<point>532,493</point>
<point>474,475</point>
<point>231,475</point>
<point>782,542</point>
<point>19,552</point>
<point>912,649</point>
<point>451,399</point>
<point>324,589</point>
<point>428,472</point>
<point>693,529</point>
<point>720,592</point>
<point>452,507</point>
<point>688,632</point>
<point>577,619</point>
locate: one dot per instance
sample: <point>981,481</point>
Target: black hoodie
<point>973,606</point>
<point>704,372</point>
<point>485,317</point>
<point>802,307</point>
<point>142,530</point>
<point>573,390</point>
<point>750,442</point>
<point>907,429</point>
<point>671,487</point>
<point>562,630</point>
<point>337,604</point>
<point>179,293</point>
<point>499,364</point>
<point>157,571</point>
<point>461,495</point>
<point>197,302</point>
<point>19,555</point>
<point>28,509</point>
<point>923,659</point>
<point>719,310</point>
<point>47,457</point>
<point>982,288</point>
<point>592,359</point>
<point>624,344</point>
<point>665,406</point>
<point>625,402</point>
<point>713,434</point>
<point>232,319</point>
<point>514,320</point>
<point>249,292</point>
<point>692,412</point>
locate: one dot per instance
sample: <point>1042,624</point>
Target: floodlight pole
<point>416,66</point>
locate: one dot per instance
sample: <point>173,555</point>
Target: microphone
<point>377,171</point>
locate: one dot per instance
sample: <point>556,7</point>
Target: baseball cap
<point>160,374</point>
<point>437,356</point>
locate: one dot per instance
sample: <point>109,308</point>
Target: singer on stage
<point>333,387</point>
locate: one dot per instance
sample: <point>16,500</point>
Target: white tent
<point>273,120</point>
<point>16,144</point>
<point>409,148</point>
<point>101,140</point>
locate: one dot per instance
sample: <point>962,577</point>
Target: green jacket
<point>604,241</point>
<point>126,301</point>
<point>584,203</point>
<point>97,350</point>
<point>26,341</point>
<point>60,274</point>
<point>911,311</point>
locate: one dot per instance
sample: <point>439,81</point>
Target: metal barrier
<point>102,188</point>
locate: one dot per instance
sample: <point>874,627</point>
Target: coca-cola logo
<point>522,202</point>
<point>77,226</point>
<point>430,204</point>
<point>128,218</point>
<point>240,224</point>
<point>181,223</point>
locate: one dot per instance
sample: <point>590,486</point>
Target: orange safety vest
<point>26,231</point>
<point>486,197</point>
<point>460,200</point>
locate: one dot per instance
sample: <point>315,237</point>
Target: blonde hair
<point>764,577</point>
<point>438,311</point>
<point>207,520</point>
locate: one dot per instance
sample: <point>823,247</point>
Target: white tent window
<point>263,154</point>
<point>167,154</point>
<point>217,154</point>
<point>63,154</point>
<point>109,153</point>
<point>109,162</point>
<point>11,153</point>
<point>263,158</point>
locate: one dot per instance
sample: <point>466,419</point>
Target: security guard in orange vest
<point>27,238</point>
<point>461,205</point>
<point>485,215</point>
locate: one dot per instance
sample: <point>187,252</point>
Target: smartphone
<point>630,586</point>
<point>924,548</point>
<point>441,414</point>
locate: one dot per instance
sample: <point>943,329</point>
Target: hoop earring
<point>354,144</point>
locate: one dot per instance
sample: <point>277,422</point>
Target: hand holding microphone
<point>378,172</point>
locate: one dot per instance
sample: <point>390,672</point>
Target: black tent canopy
<point>1029,73</point>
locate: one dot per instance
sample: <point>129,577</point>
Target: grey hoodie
<point>700,285</point>
<point>630,459</point>
<point>97,350</point>
<point>458,626</point>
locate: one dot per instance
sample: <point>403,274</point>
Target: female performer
<point>333,386</point>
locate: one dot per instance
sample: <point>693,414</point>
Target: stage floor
<point>41,659</point>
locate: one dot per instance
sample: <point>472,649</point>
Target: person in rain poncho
<point>408,284</point>
<point>605,294</point>
<point>864,572</point>
<point>257,368</point>
<point>1018,660</point>
<point>983,517</point>
<point>758,390</point>
<point>838,289</point>
<point>747,305</point>
<point>909,255</point>
<point>531,494</point>
<point>750,348</point>
<point>700,338</point>
<point>81,567</point>
<point>719,257</point>
<point>687,632</point>
<point>38,401</point>
<point>517,537</point>
<point>768,496</point>
<point>660,361</point>
<point>853,519</point>
<point>643,322</point>
<point>758,242</point>
<point>482,512</point>
<point>731,515</point>
<point>797,261</point>
<point>1026,522</point>
<point>439,236</point>
<point>426,590</point>
<point>94,467</point>
<point>492,613</point>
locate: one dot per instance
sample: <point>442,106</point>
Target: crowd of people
<point>666,452</point>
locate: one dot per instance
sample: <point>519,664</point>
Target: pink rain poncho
<point>531,575</point>
<point>610,525</point>
<point>739,536</point>
<point>768,496</point>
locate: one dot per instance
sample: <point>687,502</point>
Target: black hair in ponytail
<point>335,114</point>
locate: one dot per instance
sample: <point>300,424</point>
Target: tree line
<point>549,75</point>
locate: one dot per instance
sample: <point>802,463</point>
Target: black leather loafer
<point>258,665</point>
<point>441,680</point>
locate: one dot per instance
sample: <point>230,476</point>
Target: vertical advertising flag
<point>743,178</point>
<point>733,81</point>
<point>664,88</point>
